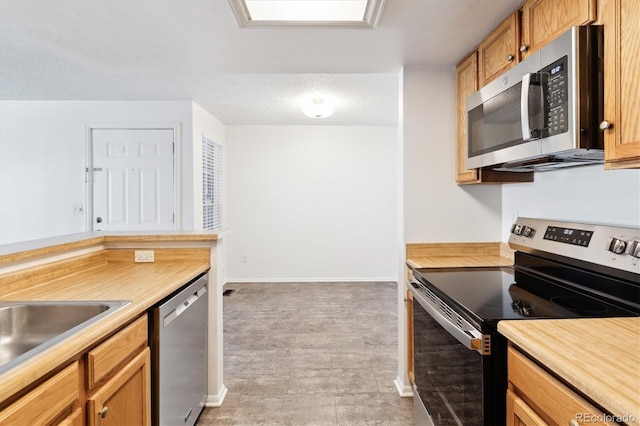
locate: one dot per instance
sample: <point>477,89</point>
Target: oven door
<point>448,369</point>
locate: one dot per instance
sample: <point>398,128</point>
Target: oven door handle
<point>473,340</point>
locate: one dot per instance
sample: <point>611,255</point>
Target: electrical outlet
<point>141,256</point>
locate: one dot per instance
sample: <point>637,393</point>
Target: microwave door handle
<point>527,134</point>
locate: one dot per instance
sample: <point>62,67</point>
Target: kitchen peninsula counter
<point>600,357</point>
<point>28,250</point>
<point>104,272</point>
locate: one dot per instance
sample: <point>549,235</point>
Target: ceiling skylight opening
<point>307,13</point>
<point>306,10</point>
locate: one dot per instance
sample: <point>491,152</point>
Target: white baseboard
<point>403,390</point>
<point>217,400</point>
<point>230,280</point>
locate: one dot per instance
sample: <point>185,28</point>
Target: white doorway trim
<point>177,172</point>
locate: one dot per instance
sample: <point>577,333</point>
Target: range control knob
<point>527,232</point>
<point>616,246</point>
<point>633,248</point>
<point>516,229</point>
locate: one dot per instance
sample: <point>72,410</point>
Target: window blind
<point>211,184</point>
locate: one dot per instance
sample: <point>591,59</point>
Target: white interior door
<point>133,181</point>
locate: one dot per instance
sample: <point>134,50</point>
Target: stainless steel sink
<point>28,328</point>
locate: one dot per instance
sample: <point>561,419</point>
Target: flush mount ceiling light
<point>318,108</point>
<point>307,13</point>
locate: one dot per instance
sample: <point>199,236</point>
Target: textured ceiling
<point>194,50</point>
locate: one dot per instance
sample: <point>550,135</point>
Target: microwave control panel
<point>555,96</point>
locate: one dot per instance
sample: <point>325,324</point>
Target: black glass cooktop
<point>486,295</point>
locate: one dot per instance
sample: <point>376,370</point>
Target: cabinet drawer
<point>105,358</point>
<point>553,401</point>
<point>46,403</point>
<point>75,419</point>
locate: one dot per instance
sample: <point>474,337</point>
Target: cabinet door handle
<point>604,125</point>
<point>510,57</point>
<point>524,48</point>
<point>103,413</point>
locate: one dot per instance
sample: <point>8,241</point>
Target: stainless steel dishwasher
<point>179,355</point>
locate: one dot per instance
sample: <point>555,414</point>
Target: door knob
<point>98,219</point>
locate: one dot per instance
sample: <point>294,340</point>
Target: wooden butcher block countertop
<point>103,276</point>
<point>458,255</point>
<point>599,357</point>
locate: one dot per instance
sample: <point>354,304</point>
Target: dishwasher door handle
<point>171,316</point>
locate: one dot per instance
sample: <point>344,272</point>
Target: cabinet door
<point>466,84</point>
<point>410,366</point>
<point>544,20</point>
<point>125,399</point>
<point>554,401</point>
<point>621,19</point>
<point>499,51</point>
<point>520,414</point>
<point>50,403</point>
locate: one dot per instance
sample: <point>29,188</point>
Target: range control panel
<point>611,246</point>
<point>578,237</point>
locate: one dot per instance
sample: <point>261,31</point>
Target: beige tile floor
<point>310,354</point>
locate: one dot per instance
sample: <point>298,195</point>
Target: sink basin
<point>28,328</point>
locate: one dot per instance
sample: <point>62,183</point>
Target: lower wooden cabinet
<point>109,385</point>
<point>410,362</point>
<point>119,378</point>
<point>55,401</point>
<point>555,403</point>
<point>520,414</point>
<point>124,399</point>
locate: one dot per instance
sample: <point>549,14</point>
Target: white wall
<point>581,194</point>
<point>436,209</point>
<point>42,160</point>
<point>311,203</point>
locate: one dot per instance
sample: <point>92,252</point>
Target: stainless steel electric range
<point>561,270</point>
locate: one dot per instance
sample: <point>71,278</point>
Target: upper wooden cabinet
<point>544,20</point>
<point>499,52</point>
<point>621,19</point>
<point>466,84</point>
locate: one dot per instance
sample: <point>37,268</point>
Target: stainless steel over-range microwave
<point>545,112</point>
